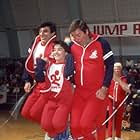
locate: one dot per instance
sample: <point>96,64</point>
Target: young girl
<point>58,96</point>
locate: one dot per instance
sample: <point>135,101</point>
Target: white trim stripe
<point>110,97</point>
<point>107,55</point>
<point>45,90</point>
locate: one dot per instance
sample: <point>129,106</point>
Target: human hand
<point>27,87</point>
<point>101,93</point>
<point>126,87</point>
<point>45,59</point>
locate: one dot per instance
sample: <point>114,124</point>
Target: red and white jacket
<point>116,92</point>
<point>29,64</point>
<point>93,65</point>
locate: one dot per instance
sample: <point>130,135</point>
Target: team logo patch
<point>93,55</point>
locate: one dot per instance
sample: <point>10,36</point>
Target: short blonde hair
<point>118,64</point>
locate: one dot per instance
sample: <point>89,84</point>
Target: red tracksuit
<point>59,100</point>
<point>88,112</point>
<point>116,94</point>
<point>28,110</point>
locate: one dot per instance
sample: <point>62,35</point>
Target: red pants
<point>117,119</point>
<point>33,107</point>
<point>87,115</point>
<point>56,111</point>
<point>54,118</point>
<point>50,111</point>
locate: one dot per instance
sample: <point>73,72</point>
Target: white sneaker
<point>116,138</point>
<point>70,138</point>
<point>109,138</point>
<point>48,138</point>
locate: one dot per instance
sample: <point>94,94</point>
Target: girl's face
<point>45,35</point>
<point>59,53</point>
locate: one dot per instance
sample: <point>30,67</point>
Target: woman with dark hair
<point>58,97</point>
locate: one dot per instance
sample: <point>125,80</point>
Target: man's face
<point>79,36</point>
<point>45,35</point>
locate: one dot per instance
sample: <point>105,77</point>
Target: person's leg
<point>37,108</point>
<point>88,119</point>
<point>109,129</point>
<point>119,116</point>
<point>32,98</point>
<point>76,112</point>
<point>47,117</point>
<point>93,116</point>
<point>60,118</point>
<point>101,131</point>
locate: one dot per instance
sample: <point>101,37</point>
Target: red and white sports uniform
<point>28,110</point>
<point>56,110</point>
<point>116,95</point>
<point>91,64</point>
<point>30,64</point>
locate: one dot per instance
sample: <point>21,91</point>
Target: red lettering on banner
<point>99,29</point>
<point>114,29</point>
<point>108,30</point>
<point>117,29</point>
<point>136,28</point>
<point>123,27</point>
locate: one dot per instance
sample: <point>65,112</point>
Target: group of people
<point>54,66</point>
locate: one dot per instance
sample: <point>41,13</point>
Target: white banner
<point>116,29</point>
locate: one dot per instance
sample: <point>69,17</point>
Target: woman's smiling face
<point>59,53</point>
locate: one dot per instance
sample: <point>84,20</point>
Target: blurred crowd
<point>132,72</point>
<point>131,121</point>
<point>10,77</point>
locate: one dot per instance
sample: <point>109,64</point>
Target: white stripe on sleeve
<point>108,55</point>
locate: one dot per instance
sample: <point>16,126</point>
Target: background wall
<point>19,18</point>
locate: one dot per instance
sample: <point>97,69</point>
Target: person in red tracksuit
<point>41,48</point>
<point>38,55</point>
<point>117,92</point>
<point>94,63</point>
<point>56,110</point>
